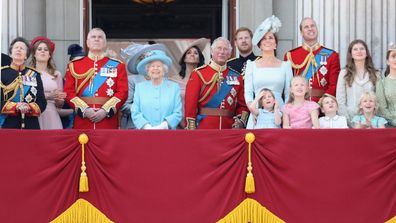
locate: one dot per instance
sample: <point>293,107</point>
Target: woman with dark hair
<point>386,89</point>
<point>266,71</point>
<point>22,93</point>
<point>192,58</point>
<point>358,76</point>
<point>42,60</point>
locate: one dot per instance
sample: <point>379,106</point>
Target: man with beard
<point>243,41</point>
<point>318,64</point>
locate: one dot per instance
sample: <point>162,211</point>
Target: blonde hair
<point>368,94</point>
<point>260,104</point>
<point>320,102</point>
<point>291,95</point>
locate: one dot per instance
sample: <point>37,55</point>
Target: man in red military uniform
<point>318,64</point>
<point>215,93</point>
<point>96,86</point>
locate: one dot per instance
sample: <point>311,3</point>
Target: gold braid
<point>87,75</point>
<point>212,82</point>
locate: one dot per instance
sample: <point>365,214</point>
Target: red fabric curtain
<point>301,176</point>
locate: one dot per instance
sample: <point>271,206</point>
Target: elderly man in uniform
<point>243,41</point>
<point>318,64</point>
<point>96,86</point>
<point>215,93</point>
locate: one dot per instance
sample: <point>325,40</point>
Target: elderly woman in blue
<point>156,102</point>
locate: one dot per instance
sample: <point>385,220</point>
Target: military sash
<point>99,79</point>
<point>318,58</point>
<point>29,74</point>
<point>223,91</point>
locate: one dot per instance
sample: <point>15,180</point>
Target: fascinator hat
<point>270,24</point>
<point>133,54</point>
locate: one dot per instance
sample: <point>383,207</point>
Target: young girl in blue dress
<point>367,118</point>
<point>267,111</point>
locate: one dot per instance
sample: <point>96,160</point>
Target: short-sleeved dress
<point>266,120</point>
<point>376,121</point>
<point>300,116</point>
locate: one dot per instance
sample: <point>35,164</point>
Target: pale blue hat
<point>150,56</point>
<point>133,53</point>
<point>270,24</point>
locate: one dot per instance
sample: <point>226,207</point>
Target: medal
<point>323,82</point>
<point>323,70</point>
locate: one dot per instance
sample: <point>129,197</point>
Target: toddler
<point>267,110</point>
<point>329,106</point>
<point>367,110</point>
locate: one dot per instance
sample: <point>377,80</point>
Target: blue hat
<point>270,24</point>
<point>133,53</point>
<point>152,56</point>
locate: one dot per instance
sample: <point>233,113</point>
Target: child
<point>267,111</point>
<point>299,112</point>
<point>329,106</point>
<point>367,110</point>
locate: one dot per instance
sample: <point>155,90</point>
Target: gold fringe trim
<point>82,212</point>
<point>250,211</point>
<point>83,139</point>
<point>249,184</point>
<point>393,220</point>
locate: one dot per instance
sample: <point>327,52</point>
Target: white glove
<point>147,126</point>
<point>163,125</point>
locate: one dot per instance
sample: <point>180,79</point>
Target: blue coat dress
<point>155,104</point>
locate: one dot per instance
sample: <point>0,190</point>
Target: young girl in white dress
<point>329,106</point>
<point>266,109</point>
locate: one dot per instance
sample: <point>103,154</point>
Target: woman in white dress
<point>267,71</point>
<point>358,76</point>
<point>42,51</point>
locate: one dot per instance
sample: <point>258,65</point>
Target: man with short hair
<point>243,41</point>
<point>215,93</point>
<point>318,64</point>
<point>96,86</point>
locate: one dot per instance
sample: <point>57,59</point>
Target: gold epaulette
<point>33,69</point>
<point>199,68</point>
<point>231,59</point>
<point>257,58</point>
<point>4,67</point>
<point>115,59</point>
<point>233,70</point>
<point>77,58</point>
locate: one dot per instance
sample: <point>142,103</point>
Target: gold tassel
<point>249,184</point>
<point>82,212</point>
<point>83,139</point>
<point>250,210</point>
<point>393,220</point>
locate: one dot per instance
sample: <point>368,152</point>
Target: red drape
<point>301,176</point>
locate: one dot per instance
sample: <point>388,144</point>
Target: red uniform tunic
<point>109,95</point>
<point>324,64</point>
<point>203,84</point>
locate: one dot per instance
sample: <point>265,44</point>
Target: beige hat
<point>200,43</point>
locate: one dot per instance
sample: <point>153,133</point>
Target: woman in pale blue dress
<point>156,102</point>
<point>267,71</point>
